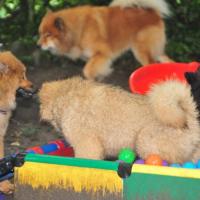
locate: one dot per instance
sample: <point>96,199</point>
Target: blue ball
<point>189,165</point>
<point>198,164</point>
<point>175,165</point>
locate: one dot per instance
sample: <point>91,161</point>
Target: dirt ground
<point>25,128</point>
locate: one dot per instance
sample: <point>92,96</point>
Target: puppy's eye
<point>48,34</point>
<point>23,76</point>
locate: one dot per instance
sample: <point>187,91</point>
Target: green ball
<point>127,155</point>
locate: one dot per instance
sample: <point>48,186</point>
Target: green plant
<point>183,31</point>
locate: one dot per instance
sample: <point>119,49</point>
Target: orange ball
<point>153,159</point>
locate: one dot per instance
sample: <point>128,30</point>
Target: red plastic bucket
<point>141,80</point>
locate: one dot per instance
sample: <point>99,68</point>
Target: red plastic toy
<point>141,80</point>
<point>56,148</point>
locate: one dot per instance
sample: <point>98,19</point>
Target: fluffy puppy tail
<point>172,103</point>
<point>158,5</point>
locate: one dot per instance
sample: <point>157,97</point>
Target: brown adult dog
<point>99,120</point>
<point>12,77</point>
<point>101,34</point>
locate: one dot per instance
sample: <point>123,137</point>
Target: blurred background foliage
<point>19,20</point>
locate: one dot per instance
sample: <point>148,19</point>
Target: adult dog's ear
<point>59,24</point>
<point>3,68</point>
<point>190,77</point>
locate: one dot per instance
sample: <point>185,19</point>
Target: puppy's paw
<point>6,187</point>
<point>89,74</point>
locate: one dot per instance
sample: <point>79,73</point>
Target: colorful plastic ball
<point>140,161</point>
<point>175,165</point>
<point>164,163</point>
<point>127,155</point>
<point>153,159</point>
<point>198,164</point>
<point>189,165</point>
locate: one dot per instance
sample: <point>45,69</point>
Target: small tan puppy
<point>101,34</point>
<point>12,77</point>
<point>99,120</point>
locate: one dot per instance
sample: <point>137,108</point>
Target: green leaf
<point>3,12</point>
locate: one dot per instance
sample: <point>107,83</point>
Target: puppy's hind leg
<point>149,45</point>
<point>142,54</point>
<point>164,59</point>
<point>88,146</point>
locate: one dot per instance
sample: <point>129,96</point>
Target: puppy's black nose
<point>26,93</point>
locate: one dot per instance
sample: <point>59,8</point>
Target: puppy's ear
<point>48,11</point>
<point>190,77</point>
<point>59,24</point>
<point>3,68</point>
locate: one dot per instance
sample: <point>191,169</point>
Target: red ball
<point>153,159</point>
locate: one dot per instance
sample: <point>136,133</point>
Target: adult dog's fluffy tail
<point>159,5</point>
<point>172,103</point>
